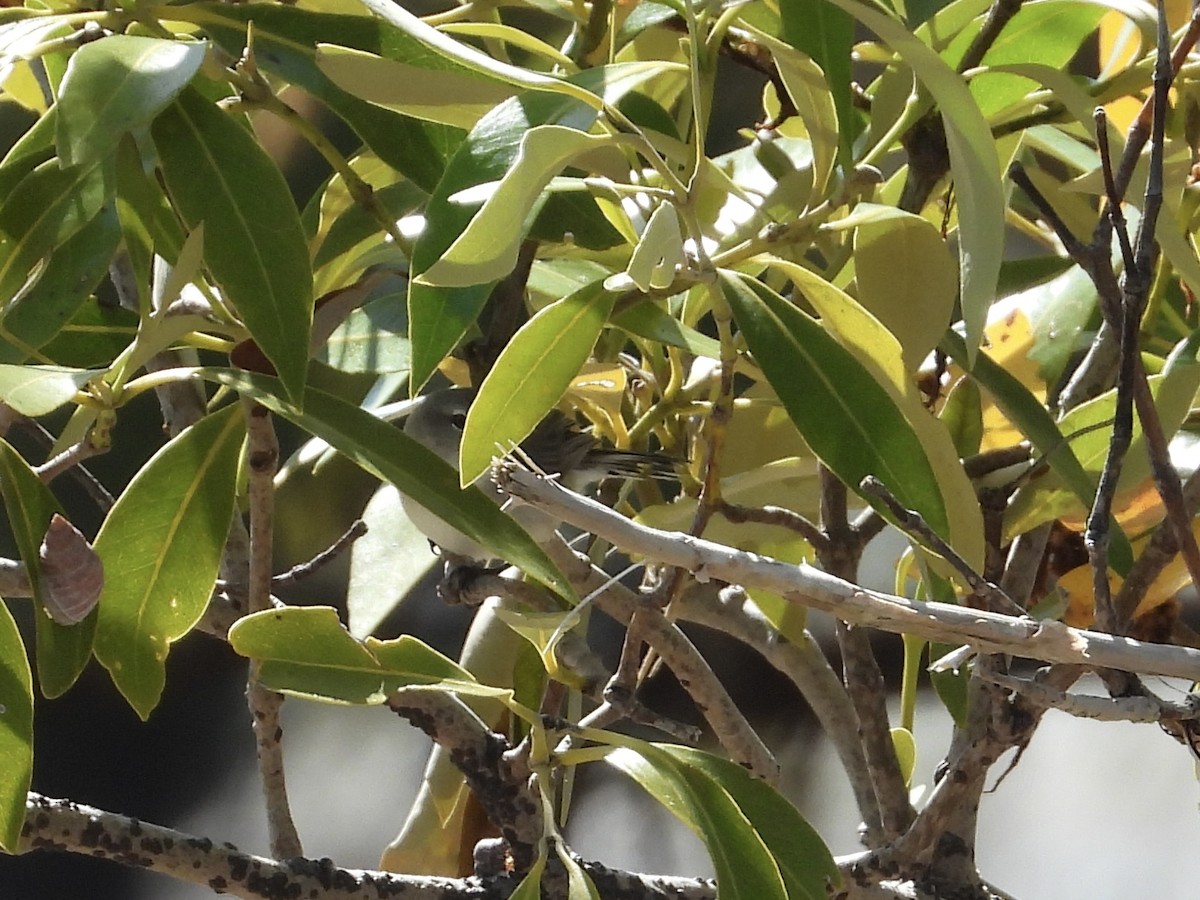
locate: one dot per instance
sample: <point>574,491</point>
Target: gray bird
<point>556,446</point>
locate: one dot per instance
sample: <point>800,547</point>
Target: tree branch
<point>987,632</point>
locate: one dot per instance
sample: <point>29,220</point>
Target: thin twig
<point>914,524</point>
<point>265,705</point>
<point>1143,708</point>
<point>772,515</point>
<point>305,569</point>
<point>679,655</point>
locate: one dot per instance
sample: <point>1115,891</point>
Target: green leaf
<point>487,249</point>
<point>254,245</point>
<point>746,869</point>
<point>826,33</point>
<point>849,418</point>
<point>973,163</point>
<point>389,454</point>
<point>45,208</point>
<point>659,251</point>
<point>533,372</point>
<point>804,860</point>
<point>307,651</point>
<point>62,651</point>
<point>118,85</point>
<point>16,732</point>
<point>161,546</point>
<point>451,97</point>
<point>285,41</point>
<point>38,390</point>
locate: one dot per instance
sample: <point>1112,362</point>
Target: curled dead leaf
<point>72,575</point>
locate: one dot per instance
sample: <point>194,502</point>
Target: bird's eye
<point>459,421</point>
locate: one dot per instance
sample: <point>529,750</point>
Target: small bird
<point>556,446</point>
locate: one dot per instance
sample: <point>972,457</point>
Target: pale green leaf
<point>531,375</point>
<point>659,251</point>
<point>307,651</point>
<point>487,249</point>
<point>457,98</point>
<point>973,162</point>
<point>916,300</point>
<point>162,545</point>
<point>118,85</point>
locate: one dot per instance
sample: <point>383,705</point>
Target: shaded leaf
<point>45,208</point>
<point>386,563</point>
<point>254,245</point>
<point>161,545</point>
<point>389,454</point>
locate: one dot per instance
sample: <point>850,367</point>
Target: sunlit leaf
<point>449,97</point>
<point>746,869</point>
<point>306,650</point>
<point>16,732</point>
<point>117,85</point>
<point>487,249</point>
<point>37,390</point>
<point>162,545</point>
<point>845,415</point>
<point>915,300</point>
<point>531,375</point>
<point>973,162</point>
